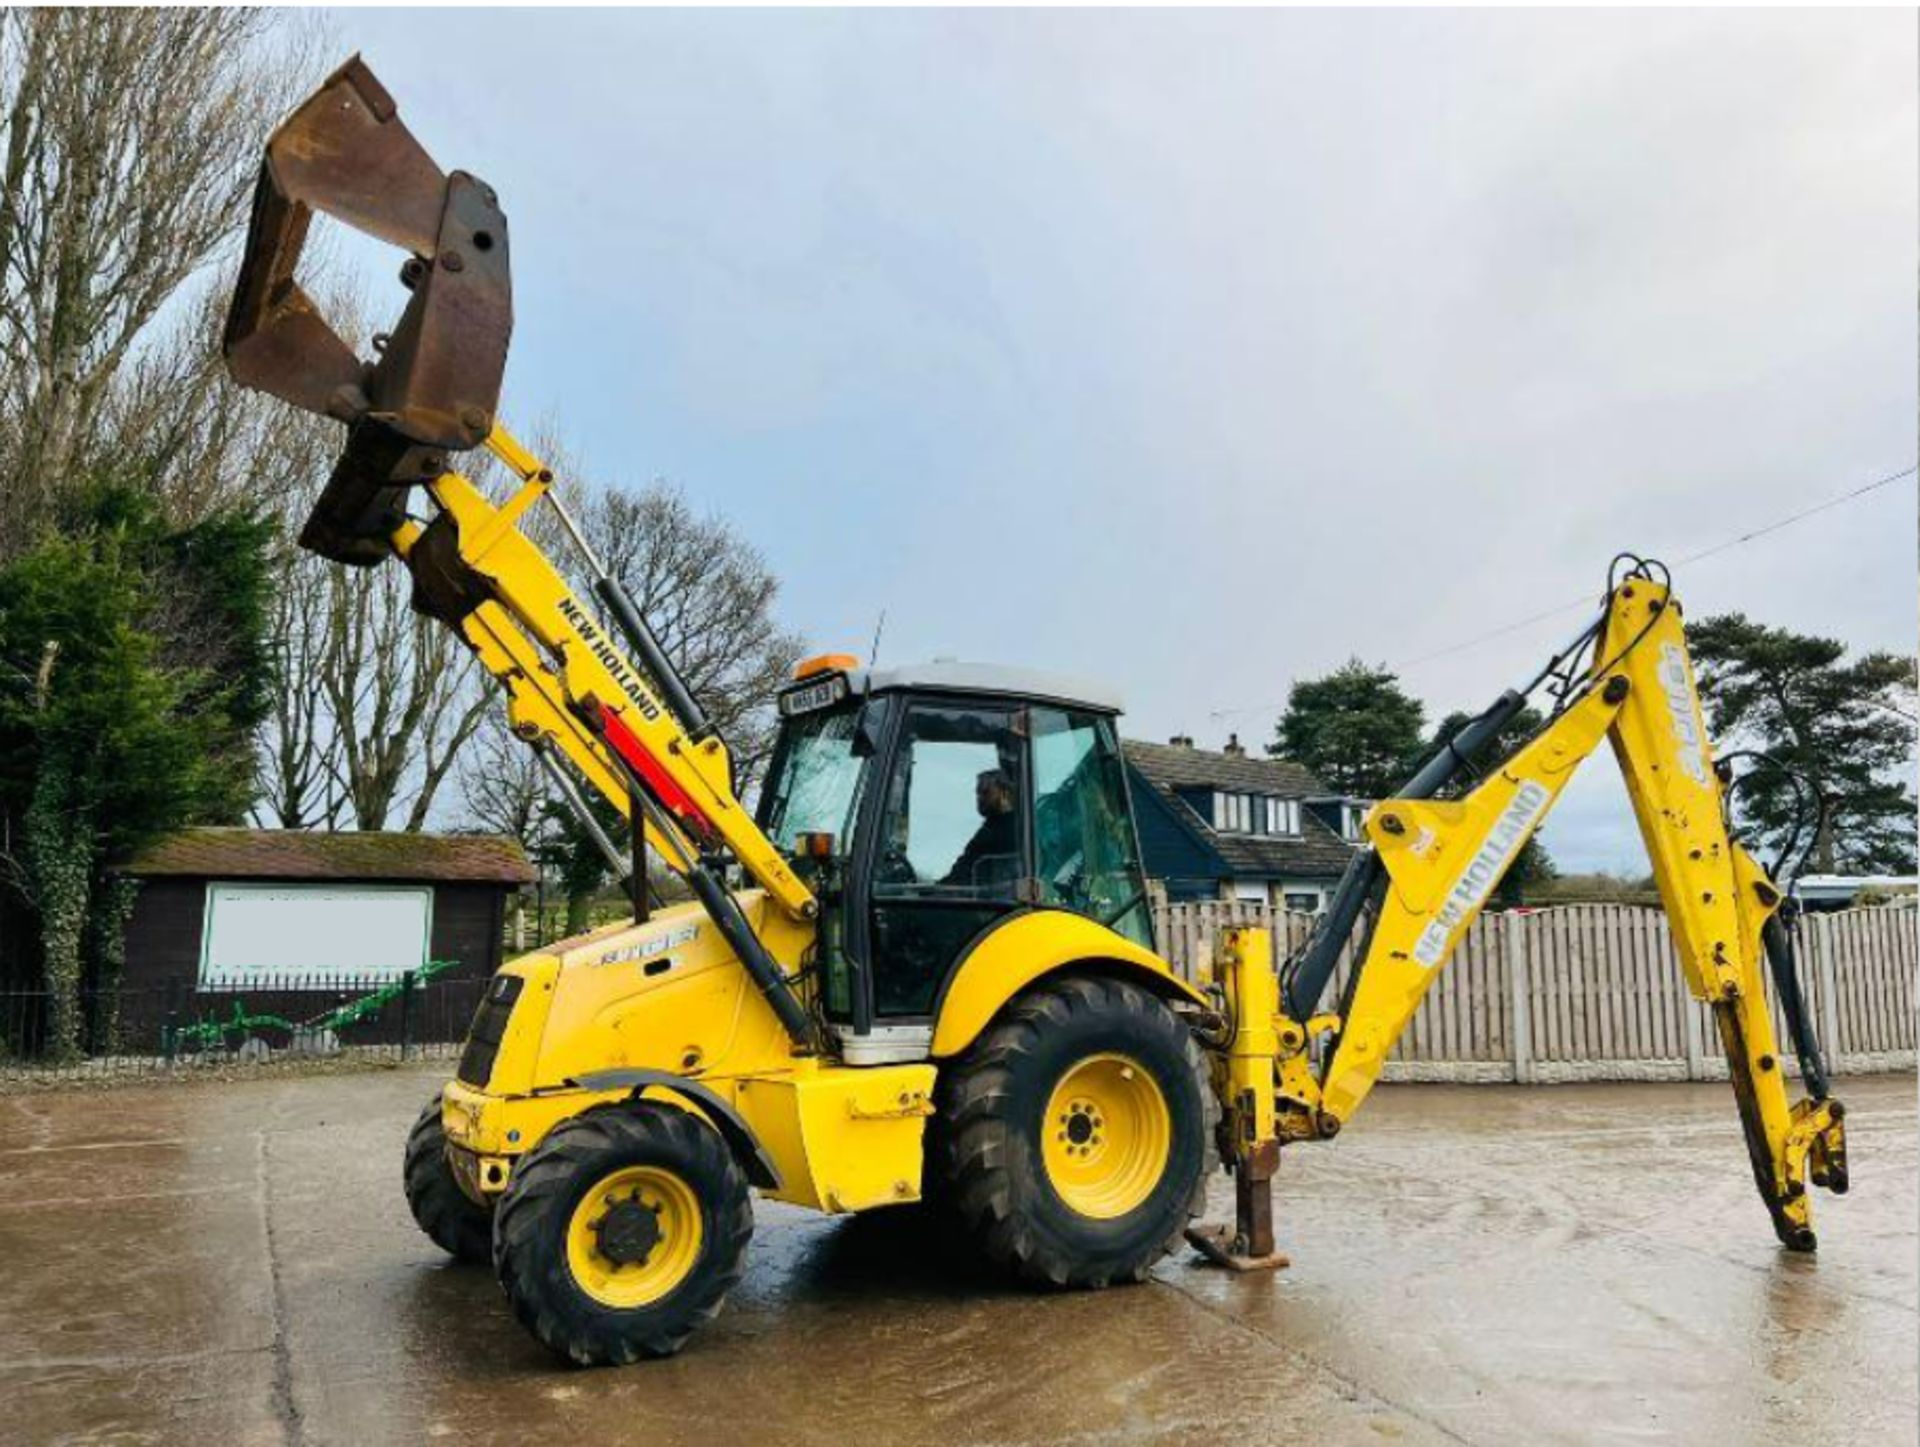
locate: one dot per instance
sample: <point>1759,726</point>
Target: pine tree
<point>1845,723</point>
<point>1355,728</point>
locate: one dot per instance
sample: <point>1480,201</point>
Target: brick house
<point>1229,825</point>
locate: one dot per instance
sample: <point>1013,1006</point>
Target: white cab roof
<point>953,677</point>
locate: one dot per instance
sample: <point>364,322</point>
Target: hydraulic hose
<point>1793,1004</point>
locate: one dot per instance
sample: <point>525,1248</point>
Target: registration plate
<point>824,694</point>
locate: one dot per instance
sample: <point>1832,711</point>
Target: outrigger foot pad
<point>1221,1246</point>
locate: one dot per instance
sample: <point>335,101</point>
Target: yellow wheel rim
<point>1107,1135</point>
<point>634,1237</point>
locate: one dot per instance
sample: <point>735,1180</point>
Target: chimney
<point>1233,749</point>
<point>1181,741</point>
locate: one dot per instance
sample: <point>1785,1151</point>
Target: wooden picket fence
<point>1594,992</point>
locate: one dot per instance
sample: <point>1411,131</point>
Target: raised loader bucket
<point>436,382</point>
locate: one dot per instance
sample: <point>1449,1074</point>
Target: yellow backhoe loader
<point>923,969</point>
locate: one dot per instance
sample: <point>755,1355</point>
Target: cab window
<point>816,779</point>
<point>951,827</point>
<point>1083,829</point>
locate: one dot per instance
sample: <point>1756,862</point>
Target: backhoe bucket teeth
<point>436,383</point>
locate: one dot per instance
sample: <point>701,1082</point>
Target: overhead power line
<point>1775,527</point>
<point>1589,600</point>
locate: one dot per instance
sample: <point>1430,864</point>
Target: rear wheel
<point>1076,1133</point>
<point>621,1232</point>
<point>453,1221</point>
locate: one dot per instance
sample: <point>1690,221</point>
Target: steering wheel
<point>895,868</point>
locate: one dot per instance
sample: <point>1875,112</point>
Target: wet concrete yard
<point>234,1264</point>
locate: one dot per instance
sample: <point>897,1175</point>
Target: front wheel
<point>621,1232</point>
<point>1076,1131</point>
<point>453,1221</point>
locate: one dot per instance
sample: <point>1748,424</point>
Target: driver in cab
<point>992,856</point>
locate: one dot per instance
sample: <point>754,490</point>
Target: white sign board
<point>259,933</point>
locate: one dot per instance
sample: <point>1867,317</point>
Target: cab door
<point>1087,854</point>
<point>953,847</point>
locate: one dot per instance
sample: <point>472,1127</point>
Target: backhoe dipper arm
<point>1434,863</point>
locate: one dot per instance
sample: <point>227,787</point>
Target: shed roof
<point>304,854</point>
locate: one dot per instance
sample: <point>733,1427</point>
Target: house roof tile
<point>1174,766</point>
<point>304,854</point>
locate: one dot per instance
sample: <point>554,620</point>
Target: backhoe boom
<point>1432,864</point>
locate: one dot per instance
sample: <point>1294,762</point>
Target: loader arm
<point>569,684</point>
<point>1431,866</point>
<point>633,733</point>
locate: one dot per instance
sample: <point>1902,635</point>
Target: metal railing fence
<point>141,1029</point>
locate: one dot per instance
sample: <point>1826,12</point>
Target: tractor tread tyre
<point>530,1231</point>
<point>451,1219</point>
<point>992,1100</point>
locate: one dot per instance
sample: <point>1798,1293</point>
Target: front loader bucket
<point>436,383</point>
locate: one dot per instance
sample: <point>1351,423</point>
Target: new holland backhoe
<point>923,969</point>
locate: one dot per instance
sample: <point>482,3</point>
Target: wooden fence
<point>1594,992</point>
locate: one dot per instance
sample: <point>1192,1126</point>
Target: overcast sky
<point>1198,352</point>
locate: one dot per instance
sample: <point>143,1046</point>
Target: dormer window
<point>1282,816</point>
<point>1351,818</point>
<point>1236,813</point>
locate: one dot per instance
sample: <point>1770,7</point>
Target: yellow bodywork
<point>669,996</point>
<point>1028,946</point>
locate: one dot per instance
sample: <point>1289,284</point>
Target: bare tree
<point>204,443</point>
<point>502,784</point>
<point>299,771</point>
<point>708,595</point>
<point>402,695</point>
<point>375,700</point>
<point>128,142</point>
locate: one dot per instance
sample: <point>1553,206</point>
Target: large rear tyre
<point>1076,1134</point>
<point>453,1221</point>
<point>621,1232</point>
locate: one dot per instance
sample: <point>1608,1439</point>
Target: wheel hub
<point>629,1232</point>
<point>635,1236</point>
<point>1106,1136</point>
<point>1082,1124</point>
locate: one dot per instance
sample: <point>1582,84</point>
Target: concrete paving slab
<point>234,1263</point>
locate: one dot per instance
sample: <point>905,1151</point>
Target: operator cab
<point>926,805</point>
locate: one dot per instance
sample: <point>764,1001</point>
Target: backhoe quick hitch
<point>436,384</point>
